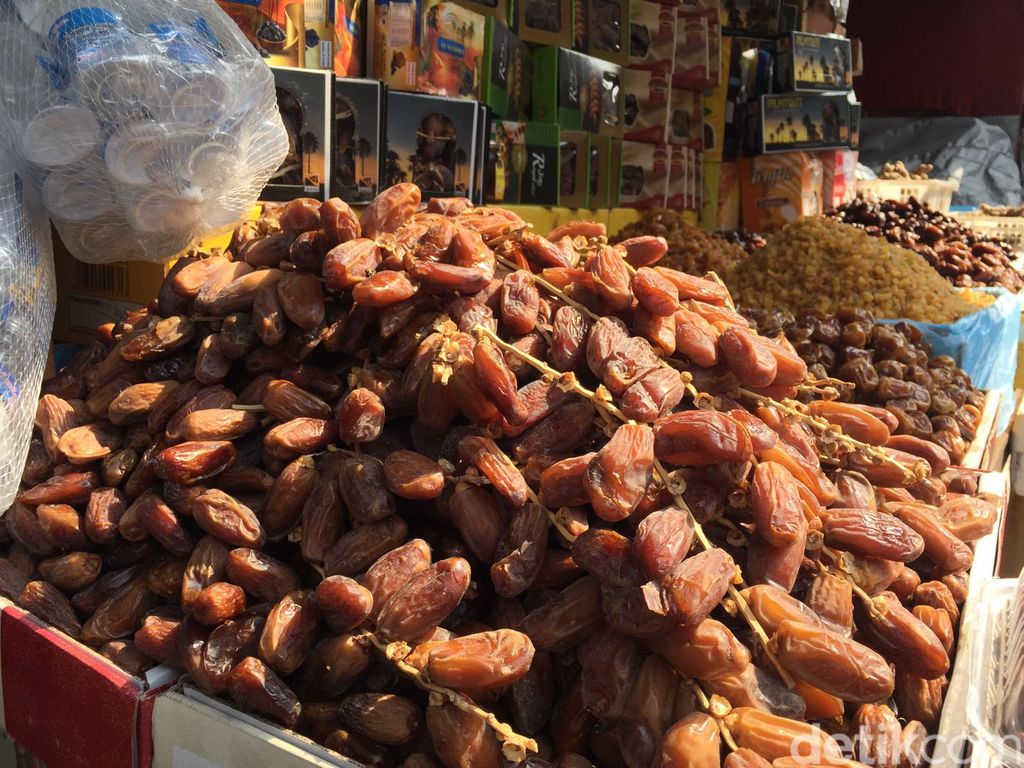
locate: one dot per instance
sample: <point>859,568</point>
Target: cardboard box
<point>573,169</point>
<point>451,50</point>
<point>789,18</point>
<point>677,197</point>
<point>495,9</point>
<point>306,101</point>
<point>709,180</point>
<point>692,65</point>
<point>646,114</point>
<point>855,112</point>
<point>729,196</point>
<point>544,22</point>
<point>483,134</point>
<point>814,63</point>
<point>753,18</point>
<point>577,91</point>
<point>615,168</point>
<point>601,29</point>
<point>804,121</point>
<point>507,76</point>
<point>715,107</point>
<point>431,143</point>
<point>349,36</point>
<point>686,121</point>
<point>288,33</point>
<point>50,681</point>
<point>392,45</point>
<point>838,177</point>
<point>359,119</point>
<point>600,172</point>
<point>652,35</point>
<point>778,189</point>
<point>645,172</point>
<point>523,163</point>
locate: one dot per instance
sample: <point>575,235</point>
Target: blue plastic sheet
<point>984,344</point>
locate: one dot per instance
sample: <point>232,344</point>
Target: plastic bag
<point>143,124</point>
<point>26,320</point>
<point>984,344</point>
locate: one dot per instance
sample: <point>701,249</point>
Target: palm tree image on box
<point>310,143</point>
<point>393,173</point>
<point>363,151</point>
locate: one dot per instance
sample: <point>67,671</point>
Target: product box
<point>392,45</point>
<point>806,62</point>
<point>691,67</point>
<point>544,22</point>
<point>522,162</point>
<point>646,114</point>
<point>855,108</point>
<point>804,121</point>
<point>686,123</point>
<point>451,50</point>
<point>715,108</point>
<point>824,17</point>
<point>359,121</point>
<point>600,172</point>
<point>305,100</point>
<point>652,35</point>
<point>67,705</point>
<point>677,197</point>
<point>838,177</point>
<point>753,18</point>
<point>431,143</point>
<point>601,28</point>
<point>289,33</point>
<point>348,38</point>
<point>573,169</point>
<point>507,78</point>
<point>615,169</point>
<point>645,172</point>
<point>789,18</point>
<point>483,134</point>
<point>729,196</point>
<point>778,189</point>
<point>496,9</point>
<point>577,91</point>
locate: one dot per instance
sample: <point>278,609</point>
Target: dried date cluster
<point>433,489</point>
<point>890,366</point>
<point>952,248</point>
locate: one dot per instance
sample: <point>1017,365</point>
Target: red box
<point>66,704</point>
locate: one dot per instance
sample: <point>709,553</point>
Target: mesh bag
<point>143,125</point>
<point>26,319</point>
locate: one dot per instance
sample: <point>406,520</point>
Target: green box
<point>522,163</point>
<point>574,169</point>
<point>600,171</point>
<point>577,91</point>
<point>506,81</point>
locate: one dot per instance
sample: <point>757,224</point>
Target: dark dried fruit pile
<point>890,366</point>
<point>952,248</point>
<point>690,248</point>
<point>367,460</point>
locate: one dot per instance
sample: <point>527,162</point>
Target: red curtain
<point>952,57</point>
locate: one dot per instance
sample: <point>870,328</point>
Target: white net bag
<point>143,124</point>
<point>26,319</point>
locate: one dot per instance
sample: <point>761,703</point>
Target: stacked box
<point>838,177</point>
<point>522,167</point>
<point>305,99</point>
<point>287,33</point>
<point>646,113</point>
<point>686,119</point>
<point>601,29</point>
<point>573,169</point>
<point>451,50</point>
<point>544,22</point>
<point>495,9</point>
<point>506,81</point>
<point>753,18</point>
<point>815,63</point>
<point>777,189</point>
<point>431,142</point>
<point>358,139</point>
<point>601,172</point>
<point>644,175</point>
<point>804,121</point>
<point>652,38</point>
<point>577,91</point>
<point>392,49</point>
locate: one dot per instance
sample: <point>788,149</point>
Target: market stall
<point>431,408</point>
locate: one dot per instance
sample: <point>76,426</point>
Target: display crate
<point>67,705</point>
<point>937,193</point>
<point>1009,229</point>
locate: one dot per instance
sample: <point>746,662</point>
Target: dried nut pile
<point>899,170</point>
<point>890,366</point>
<point>826,265</point>
<point>433,489</point>
<point>690,248</point>
<point>950,247</point>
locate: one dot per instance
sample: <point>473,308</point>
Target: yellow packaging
<point>729,196</point>
<point>779,188</point>
<point>393,52</point>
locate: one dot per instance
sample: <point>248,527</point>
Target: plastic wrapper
<point>26,320</point>
<point>984,345</point>
<point>143,125</point>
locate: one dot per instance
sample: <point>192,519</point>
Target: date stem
<point>551,288</point>
<point>514,747</point>
<point>603,400</point>
<point>709,706</point>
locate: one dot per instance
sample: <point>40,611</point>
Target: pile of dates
<point>951,248</point>
<point>397,479</point>
<point>891,367</point>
